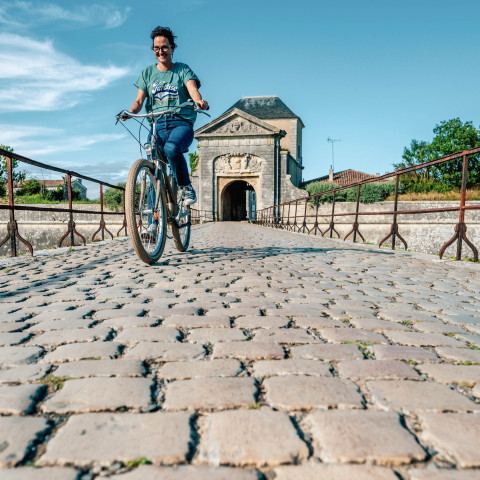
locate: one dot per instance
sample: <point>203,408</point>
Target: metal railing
<point>12,227</point>
<point>202,216</point>
<point>293,215</point>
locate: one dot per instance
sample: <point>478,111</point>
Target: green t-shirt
<point>168,89</point>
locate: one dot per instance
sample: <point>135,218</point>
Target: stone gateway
<point>249,158</point>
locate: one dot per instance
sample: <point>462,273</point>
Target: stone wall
<point>44,229</point>
<point>426,232</point>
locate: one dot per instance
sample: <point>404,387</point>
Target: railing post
<point>317,202</point>
<point>71,224</point>
<point>355,229</point>
<point>331,227</point>
<point>394,228</point>
<point>304,226</point>
<point>103,226</point>
<point>12,227</point>
<point>461,228</point>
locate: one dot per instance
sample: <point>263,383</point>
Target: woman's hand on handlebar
<point>203,104</point>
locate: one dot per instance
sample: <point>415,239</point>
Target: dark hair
<point>164,32</point>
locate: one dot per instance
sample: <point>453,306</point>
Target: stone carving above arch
<point>238,163</point>
<point>240,126</point>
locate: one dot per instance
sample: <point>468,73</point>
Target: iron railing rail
<point>282,216</point>
<point>201,216</point>
<point>12,227</point>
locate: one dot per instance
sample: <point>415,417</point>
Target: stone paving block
<point>443,474</point>
<point>376,325</point>
<point>423,339</point>
<point>453,435</point>
<point>249,438</point>
<point>18,399</point>
<point>97,394</point>
<point>285,335</point>
<point>207,368</point>
<point>122,322</point>
<point>437,327</point>
<point>258,321</point>
<point>82,351</point>
<point>270,368</point>
<point>16,437</point>
<point>23,373</point>
<point>400,352</point>
<point>197,321</point>
<point>298,310</point>
<point>446,373</point>
<point>248,350</point>
<point>9,338</point>
<point>121,367</point>
<point>11,356</point>
<point>214,335</point>
<point>316,322</point>
<point>132,310</point>
<point>305,392</point>
<point>405,313</point>
<point>187,472</point>
<point>33,473</point>
<point>166,352</point>
<point>73,335</point>
<point>476,390</point>
<point>47,326</point>
<point>321,471</point>
<point>343,335</point>
<point>376,369</point>
<point>470,338</point>
<point>410,396</point>
<point>102,438</point>
<point>152,334</point>
<point>210,393</point>
<point>9,327</point>
<point>362,435</point>
<point>327,352</point>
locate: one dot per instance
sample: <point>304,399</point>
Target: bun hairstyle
<point>164,32</point>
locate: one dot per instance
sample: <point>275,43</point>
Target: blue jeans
<point>174,136</point>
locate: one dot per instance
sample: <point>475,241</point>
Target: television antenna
<point>332,141</point>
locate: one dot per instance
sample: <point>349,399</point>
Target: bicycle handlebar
<point>189,103</point>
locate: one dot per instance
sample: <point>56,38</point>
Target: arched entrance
<point>238,201</point>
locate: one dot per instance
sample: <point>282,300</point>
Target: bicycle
<point>153,199</point>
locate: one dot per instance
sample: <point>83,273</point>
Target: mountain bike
<point>153,199</point>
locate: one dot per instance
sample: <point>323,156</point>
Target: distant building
<point>52,185</point>
<point>344,177</point>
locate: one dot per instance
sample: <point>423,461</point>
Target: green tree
<point>193,157</point>
<point>17,176</point>
<point>451,136</point>
<point>113,198</point>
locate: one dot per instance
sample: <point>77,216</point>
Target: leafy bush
<point>30,187</point>
<point>3,190</point>
<point>113,198</point>
<point>369,193</point>
<point>427,186</point>
<point>56,195</point>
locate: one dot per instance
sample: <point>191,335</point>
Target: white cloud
<point>34,76</point>
<point>34,142</point>
<point>19,14</point>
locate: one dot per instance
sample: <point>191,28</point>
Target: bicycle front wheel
<point>182,222</point>
<point>146,211</point>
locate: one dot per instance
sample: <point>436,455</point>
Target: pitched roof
<point>344,177</point>
<point>268,107</point>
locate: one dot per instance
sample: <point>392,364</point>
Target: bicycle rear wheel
<point>146,211</point>
<point>182,223</point>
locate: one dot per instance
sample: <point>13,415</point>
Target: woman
<point>165,85</point>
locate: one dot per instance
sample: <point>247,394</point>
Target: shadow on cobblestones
<point>221,254</point>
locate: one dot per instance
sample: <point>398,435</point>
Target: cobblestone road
<point>258,354</point>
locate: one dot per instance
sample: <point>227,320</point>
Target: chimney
<point>330,174</point>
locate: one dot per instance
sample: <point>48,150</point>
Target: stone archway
<point>238,201</point>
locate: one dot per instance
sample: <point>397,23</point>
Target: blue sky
<point>375,74</point>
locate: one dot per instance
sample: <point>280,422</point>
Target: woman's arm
<point>195,94</point>
<point>138,103</point>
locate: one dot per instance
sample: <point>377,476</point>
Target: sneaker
<point>152,229</point>
<point>189,195</point>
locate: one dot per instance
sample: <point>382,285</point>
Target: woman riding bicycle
<point>165,85</point>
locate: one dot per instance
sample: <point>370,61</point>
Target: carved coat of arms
<point>238,163</point>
